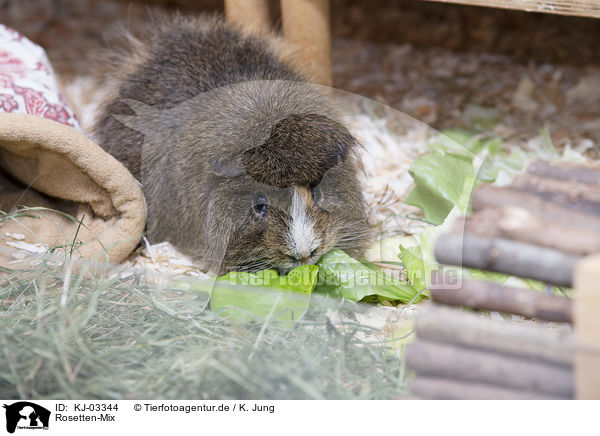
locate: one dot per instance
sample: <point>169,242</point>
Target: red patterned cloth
<point>27,82</point>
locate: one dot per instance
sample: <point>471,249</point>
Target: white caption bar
<point>282,418</point>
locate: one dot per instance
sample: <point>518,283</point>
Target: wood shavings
<point>25,246</point>
<point>164,258</point>
<point>386,322</point>
<point>523,96</point>
<point>16,236</point>
<point>587,89</point>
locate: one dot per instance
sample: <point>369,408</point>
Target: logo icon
<point>26,415</point>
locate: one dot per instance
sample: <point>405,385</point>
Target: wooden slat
<point>306,24</point>
<point>252,14</point>
<point>586,312</point>
<point>484,295</point>
<point>583,8</point>
<point>507,257</point>
<point>526,339</point>
<point>452,362</point>
<point>440,388</point>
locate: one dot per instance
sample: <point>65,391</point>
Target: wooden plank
<point>583,8</point>
<point>572,195</point>
<point>439,388</point>
<point>534,341</point>
<point>520,224</point>
<point>251,14</point>
<point>507,257</point>
<point>454,362</point>
<point>306,24</point>
<point>571,172</point>
<point>482,295</point>
<point>486,196</point>
<point>586,318</point>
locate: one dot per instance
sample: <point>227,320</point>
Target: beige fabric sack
<point>64,194</point>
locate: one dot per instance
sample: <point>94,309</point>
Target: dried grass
<point>75,330</point>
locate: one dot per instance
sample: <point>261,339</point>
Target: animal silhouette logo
<point>26,415</point>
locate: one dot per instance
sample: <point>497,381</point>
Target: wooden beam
<point>571,172</point>
<point>439,388</point>
<point>586,311</point>
<point>520,224</point>
<point>506,256</point>
<point>251,14</point>
<point>482,366</point>
<point>583,8</point>
<point>530,340</point>
<point>493,196</point>
<point>482,295</point>
<point>579,196</point>
<point>306,24</point>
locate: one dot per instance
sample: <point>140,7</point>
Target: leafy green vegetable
<point>241,296</point>
<point>502,167</point>
<point>457,141</point>
<point>342,276</point>
<point>416,254</point>
<point>481,118</point>
<point>412,259</point>
<point>442,181</point>
<point>465,143</point>
<point>490,276</point>
<point>301,279</point>
<point>516,282</point>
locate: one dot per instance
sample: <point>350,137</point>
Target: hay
<point>79,330</point>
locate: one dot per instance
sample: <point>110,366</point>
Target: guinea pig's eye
<point>316,194</point>
<point>260,205</point>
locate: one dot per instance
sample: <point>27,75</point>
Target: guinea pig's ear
<point>227,167</point>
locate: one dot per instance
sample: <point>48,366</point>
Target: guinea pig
<point>244,164</point>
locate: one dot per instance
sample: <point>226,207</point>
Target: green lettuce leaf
<point>412,259</point>
<point>342,276</point>
<point>442,181</point>
<point>241,296</point>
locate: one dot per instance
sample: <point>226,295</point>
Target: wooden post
<point>252,14</point>
<point>306,25</point>
<point>586,311</point>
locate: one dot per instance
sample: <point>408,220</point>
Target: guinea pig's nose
<point>299,258</point>
<point>304,257</point>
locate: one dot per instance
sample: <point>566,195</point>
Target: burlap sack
<point>48,165</point>
<point>59,191</point>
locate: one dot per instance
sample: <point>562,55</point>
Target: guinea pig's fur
<point>243,163</point>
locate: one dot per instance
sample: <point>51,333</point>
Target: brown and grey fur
<point>229,121</point>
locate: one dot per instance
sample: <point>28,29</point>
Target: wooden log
<point>519,224</point>
<point>481,295</point>
<point>439,388</point>
<point>583,8</point>
<point>486,196</point>
<point>477,366</point>
<point>251,14</point>
<point>530,340</point>
<point>505,256</point>
<point>306,24</point>
<point>587,328</point>
<point>571,172</point>
<point>572,195</point>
